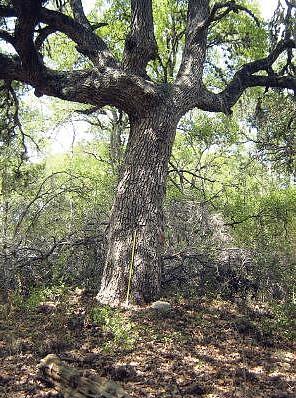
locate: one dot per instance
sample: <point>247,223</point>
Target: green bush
<point>121,332</point>
<point>283,324</point>
<point>37,295</point>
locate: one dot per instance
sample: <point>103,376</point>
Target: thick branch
<point>191,69</point>
<point>47,31</point>
<point>140,44</point>
<point>78,13</point>
<point>88,43</point>
<point>27,12</point>
<point>246,77</point>
<point>106,84</point>
<point>189,84</point>
<point>43,35</point>
<point>11,69</point>
<point>7,37</point>
<point>114,87</point>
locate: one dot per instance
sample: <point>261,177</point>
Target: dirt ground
<point>201,348</point>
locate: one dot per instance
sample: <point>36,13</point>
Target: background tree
<point>154,107</point>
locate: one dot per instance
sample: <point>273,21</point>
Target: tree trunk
<point>136,224</point>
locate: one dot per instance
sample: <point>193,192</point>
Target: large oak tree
<point>154,109</point>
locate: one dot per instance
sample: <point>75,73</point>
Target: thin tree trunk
<point>137,214</point>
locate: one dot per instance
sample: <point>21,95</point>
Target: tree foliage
<point>229,177</point>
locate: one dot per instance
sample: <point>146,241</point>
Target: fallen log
<point>73,383</point>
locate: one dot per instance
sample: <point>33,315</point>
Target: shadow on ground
<point>202,348</point>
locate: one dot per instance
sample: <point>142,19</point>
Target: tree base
<point>108,299</point>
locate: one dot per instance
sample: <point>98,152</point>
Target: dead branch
<point>73,383</point>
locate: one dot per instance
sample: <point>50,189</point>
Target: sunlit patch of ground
<point>202,348</point>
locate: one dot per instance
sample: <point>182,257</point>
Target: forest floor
<point>201,348</point>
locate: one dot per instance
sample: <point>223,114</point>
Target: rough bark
<point>191,69</point>
<point>137,211</point>
<point>140,44</point>
<point>154,110</point>
<point>24,32</point>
